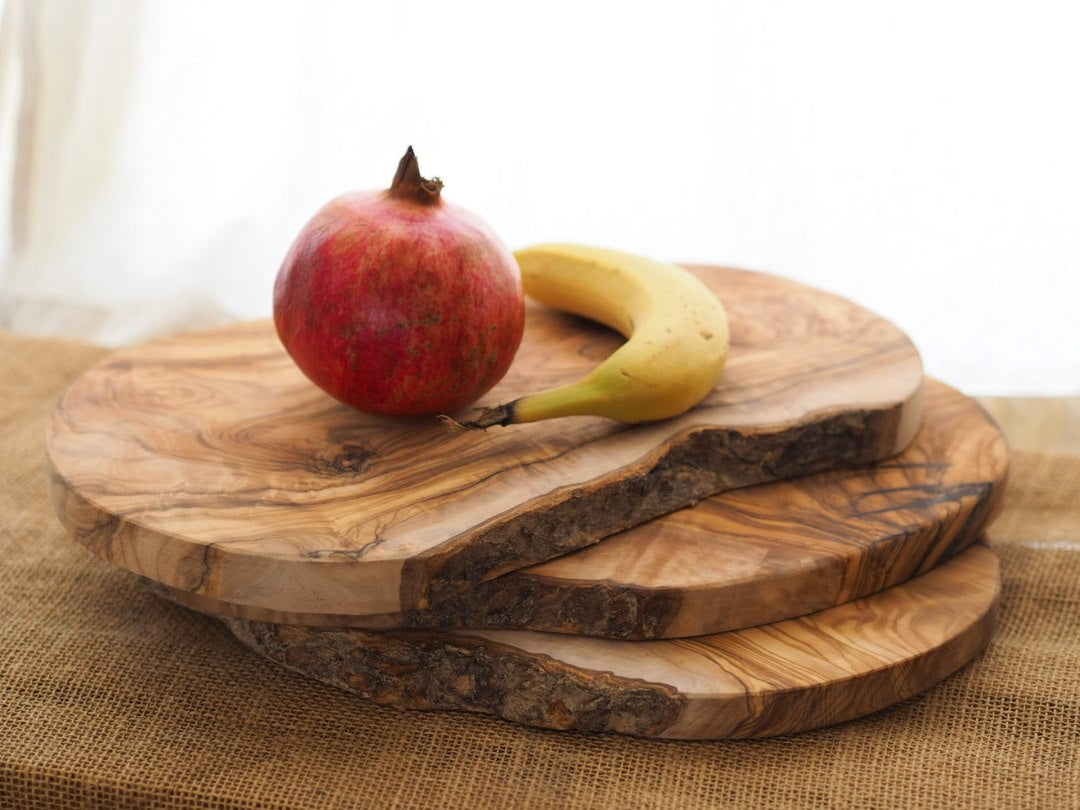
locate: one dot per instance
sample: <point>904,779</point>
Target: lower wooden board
<point>749,556</point>
<point>775,679</point>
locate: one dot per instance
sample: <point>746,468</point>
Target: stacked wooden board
<point>800,549</point>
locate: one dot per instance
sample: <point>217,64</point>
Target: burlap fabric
<point>110,696</point>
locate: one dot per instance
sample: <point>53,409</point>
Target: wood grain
<point>208,463</point>
<point>775,679</point>
<point>748,556</point>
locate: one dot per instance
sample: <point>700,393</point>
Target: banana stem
<point>582,398</point>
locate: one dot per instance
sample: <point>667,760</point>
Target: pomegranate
<point>396,302</point>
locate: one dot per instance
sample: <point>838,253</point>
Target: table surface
<point>1038,423</point>
<point>113,697</point>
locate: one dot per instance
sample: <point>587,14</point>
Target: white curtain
<point>156,158</point>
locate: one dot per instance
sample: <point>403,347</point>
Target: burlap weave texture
<point>112,697</point>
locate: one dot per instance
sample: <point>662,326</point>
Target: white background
<point>922,159</point>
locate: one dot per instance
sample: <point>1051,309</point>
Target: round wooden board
<point>206,462</point>
<point>775,679</point>
<point>748,556</point>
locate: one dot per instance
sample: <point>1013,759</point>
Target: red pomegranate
<point>396,302</point>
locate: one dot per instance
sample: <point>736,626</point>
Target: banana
<point>676,330</point>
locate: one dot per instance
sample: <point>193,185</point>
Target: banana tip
<point>495,415</point>
<point>452,423</point>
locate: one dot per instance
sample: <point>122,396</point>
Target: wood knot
<point>349,459</point>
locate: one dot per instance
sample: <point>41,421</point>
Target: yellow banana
<point>676,330</point>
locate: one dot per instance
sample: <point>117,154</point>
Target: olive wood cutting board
<point>774,679</point>
<point>208,463</point>
<point>747,556</point>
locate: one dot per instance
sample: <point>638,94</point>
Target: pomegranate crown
<point>408,184</point>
